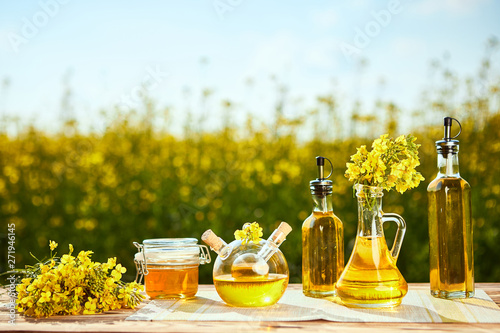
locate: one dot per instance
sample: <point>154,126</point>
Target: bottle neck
<point>274,241</point>
<point>370,217</point>
<point>224,251</point>
<point>267,251</point>
<point>217,244</point>
<point>448,165</point>
<point>322,202</point>
<point>369,210</point>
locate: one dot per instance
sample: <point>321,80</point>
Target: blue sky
<point>109,48</point>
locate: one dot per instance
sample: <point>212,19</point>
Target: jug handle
<point>400,233</point>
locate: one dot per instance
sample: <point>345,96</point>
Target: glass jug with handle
<point>371,278</point>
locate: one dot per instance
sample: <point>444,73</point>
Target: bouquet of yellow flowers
<point>74,285</point>
<point>251,232</point>
<point>390,164</point>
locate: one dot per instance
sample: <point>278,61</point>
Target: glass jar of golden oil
<point>170,266</point>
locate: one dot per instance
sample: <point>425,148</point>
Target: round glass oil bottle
<point>249,274</point>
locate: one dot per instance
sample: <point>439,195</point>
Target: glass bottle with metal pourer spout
<point>450,226</point>
<point>322,240</point>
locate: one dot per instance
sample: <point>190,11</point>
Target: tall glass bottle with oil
<point>322,240</point>
<point>450,226</point>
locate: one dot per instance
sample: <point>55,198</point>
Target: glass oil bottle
<point>250,275</point>
<point>322,240</point>
<point>450,226</point>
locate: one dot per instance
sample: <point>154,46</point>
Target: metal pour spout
<point>448,146</point>
<point>321,185</point>
<point>320,162</point>
<point>447,128</point>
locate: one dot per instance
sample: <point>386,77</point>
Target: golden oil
<point>251,292</point>
<point>371,278</point>
<point>322,253</point>
<point>450,238</point>
<point>247,271</point>
<point>171,281</point>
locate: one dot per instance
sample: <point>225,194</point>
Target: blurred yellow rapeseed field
<point>133,182</point>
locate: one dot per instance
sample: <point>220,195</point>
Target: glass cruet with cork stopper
<point>450,223</point>
<point>250,274</point>
<point>322,239</point>
<point>169,266</point>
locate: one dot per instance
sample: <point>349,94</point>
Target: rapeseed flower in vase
<point>371,278</point>
<point>70,285</point>
<point>389,165</point>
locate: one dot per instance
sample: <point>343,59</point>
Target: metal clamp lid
<point>140,263</point>
<point>204,254</point>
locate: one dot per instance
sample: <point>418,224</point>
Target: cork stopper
<point>212,240</point>
<point>285,228</point>
<point>279,235</point>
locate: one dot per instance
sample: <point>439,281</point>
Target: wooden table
<point>114,321</point>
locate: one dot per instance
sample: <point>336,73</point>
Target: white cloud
<point>325,18</point>
<point>408,47</point>
<point>283,53</point>
<point>274,54</point>
<point>4,40</point>
<point>457,7</point>
<point>360,4</point>
<point>321,53</point>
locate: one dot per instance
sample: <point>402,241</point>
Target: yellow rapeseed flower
<point>90,306</point>
<point>251,232</point>
<point>75,285</point>
<point>44,297</point>
<point>117,272</point>
<point>390,164</point>
<point>52,245</point>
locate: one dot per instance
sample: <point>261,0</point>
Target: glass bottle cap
<point>171,250</point>
<point>161,242</point>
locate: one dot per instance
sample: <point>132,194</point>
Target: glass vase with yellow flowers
<point>371,278</point>
<point>250,271</point>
